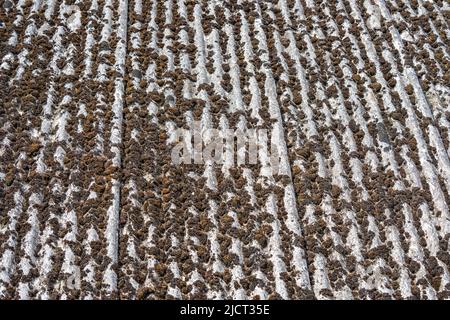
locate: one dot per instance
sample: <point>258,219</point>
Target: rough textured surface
<point>355,94</point>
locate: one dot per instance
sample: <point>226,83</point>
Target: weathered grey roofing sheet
<point>355,95</point>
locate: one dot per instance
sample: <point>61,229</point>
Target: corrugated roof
<point>340,191</point>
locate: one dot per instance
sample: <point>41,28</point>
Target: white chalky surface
<point>354,95</point>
